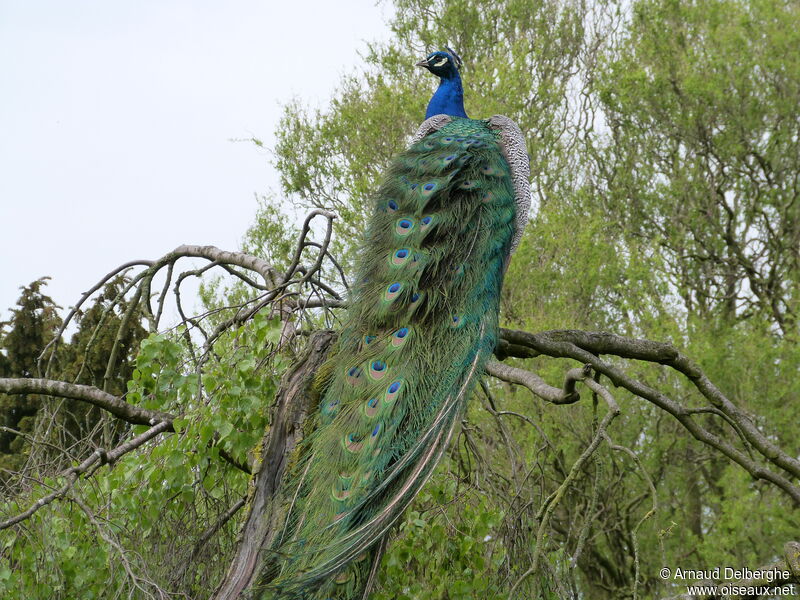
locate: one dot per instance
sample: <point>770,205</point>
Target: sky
<point>118,123</point>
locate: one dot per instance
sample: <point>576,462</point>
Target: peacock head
<point>443,64</point>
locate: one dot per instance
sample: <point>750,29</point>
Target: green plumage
<point>422,322</point>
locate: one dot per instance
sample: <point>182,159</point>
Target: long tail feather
<point>421,324</point>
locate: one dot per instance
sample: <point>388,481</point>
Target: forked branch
<point>586,347</point>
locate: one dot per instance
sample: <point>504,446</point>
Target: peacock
<point>421,323</point>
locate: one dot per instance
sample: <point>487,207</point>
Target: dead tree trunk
<point>292,404</point>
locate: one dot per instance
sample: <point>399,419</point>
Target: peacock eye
<point>440,62</point>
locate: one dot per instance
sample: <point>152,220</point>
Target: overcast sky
<point>116,121</point>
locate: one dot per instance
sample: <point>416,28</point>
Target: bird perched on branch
<point>421,323</point>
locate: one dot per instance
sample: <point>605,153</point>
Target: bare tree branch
<point>86,393</point>
<point>659,352</point>
<point>582,346</point>
<point>239,259</point>
<point>537,385</point>
<point>73,473</point>
<point>546,510</point>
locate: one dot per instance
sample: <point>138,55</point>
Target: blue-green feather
<point>421,323</point>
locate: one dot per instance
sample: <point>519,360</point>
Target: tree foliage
<point>663,138</point>
<point>33,324</point>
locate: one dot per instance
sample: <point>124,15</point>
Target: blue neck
<point>448,99</point>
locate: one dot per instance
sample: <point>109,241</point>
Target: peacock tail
<point>422,321</point>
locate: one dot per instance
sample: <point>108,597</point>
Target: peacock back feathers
<point>421,323</point>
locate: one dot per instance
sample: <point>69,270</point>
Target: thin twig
<point>549,505</point>
<point>73,473</point>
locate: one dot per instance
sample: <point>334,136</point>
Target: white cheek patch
<point>440,63</point>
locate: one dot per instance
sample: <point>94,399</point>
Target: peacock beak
<point>423,63</point>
